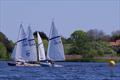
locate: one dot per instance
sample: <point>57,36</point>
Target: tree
<point>6,46</point>
<point>3,51</point>
<point>78,38</point>
<point>95,34</point>
<point>44,39</point>
<point>64,40</point>
<point>89,46</point>
<point>115,35</point>
<point>42,34</point>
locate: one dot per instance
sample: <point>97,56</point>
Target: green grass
<point>89,60</point>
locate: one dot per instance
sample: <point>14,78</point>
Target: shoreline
<point>90,60</point>
<point>79,60</point>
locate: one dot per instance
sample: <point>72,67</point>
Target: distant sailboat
<point>25,50</point>
<point>55,46</point>
<point>22,52</point>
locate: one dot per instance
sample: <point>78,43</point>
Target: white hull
<point>22,64</point>
<point>42,64</point>
<point>28,64</point>
<point>46,64</point>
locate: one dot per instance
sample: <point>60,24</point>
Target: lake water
<point>70,71</point>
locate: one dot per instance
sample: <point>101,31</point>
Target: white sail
<point>41,51</point>
<point>21,51</point>
<point>55,46</point>
<point>32,45</point>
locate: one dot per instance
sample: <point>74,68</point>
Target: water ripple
<point>70,71</point>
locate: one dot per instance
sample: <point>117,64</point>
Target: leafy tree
<point>115,35</point>
<point>64,40</point>
<point>44,39</point>
<point>3,51</point>
<point>79,35</point>
<point>78,38</point>
<point>68,40</point>
<point>98,35</point>
<point>45,43</point>
<point>89,47</point>
<point>42,34</point>
<point>117,49</point>
<point>6,46</point>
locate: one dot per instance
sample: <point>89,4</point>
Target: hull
<point>12,64</point>
<point>46,64</point>
<point>22,64</point>
<point>42,64</point>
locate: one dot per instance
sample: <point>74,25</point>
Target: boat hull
<point>23,64</point>
<point>45,64</point>
<point>12,64</point>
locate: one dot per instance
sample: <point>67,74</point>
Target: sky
<point>68,15</point>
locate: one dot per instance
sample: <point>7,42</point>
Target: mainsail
<point>21,50</point>
<point>32,45</point>
<point>55,46</point>
<point>41,51</point>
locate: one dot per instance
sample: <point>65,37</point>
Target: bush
<point>3,51</point>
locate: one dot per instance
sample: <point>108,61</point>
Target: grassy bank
<point>90,60</point>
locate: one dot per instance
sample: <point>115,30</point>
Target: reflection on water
<point>70,71</point>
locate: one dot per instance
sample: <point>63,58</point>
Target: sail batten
<point>21,40</point>
<point>54,37</point>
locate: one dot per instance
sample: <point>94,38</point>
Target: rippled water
<point>70,71</point>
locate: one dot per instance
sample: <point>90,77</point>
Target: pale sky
<point>69,15</point>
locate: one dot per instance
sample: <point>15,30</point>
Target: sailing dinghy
<point>24,50</point>
<point>41,50</point>
<point>55,48</point>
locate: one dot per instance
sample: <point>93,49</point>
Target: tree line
<point>87,44</point>
<point>92,43</point>
<point>6,46</point>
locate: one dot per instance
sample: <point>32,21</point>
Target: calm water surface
<point>70,71</point>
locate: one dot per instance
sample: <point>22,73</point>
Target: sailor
<point>20,63</point>
<point>51,62</point>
